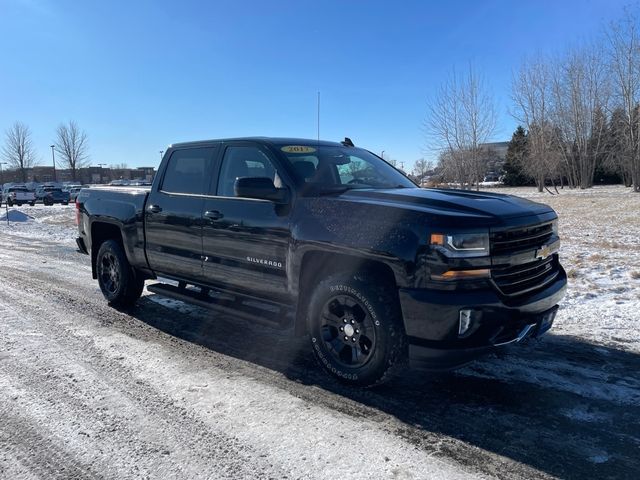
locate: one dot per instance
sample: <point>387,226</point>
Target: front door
<point>245,240</point>
<point>173,215</point>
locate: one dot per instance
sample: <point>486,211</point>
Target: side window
<point>241,162</point>
<point>187,171</point>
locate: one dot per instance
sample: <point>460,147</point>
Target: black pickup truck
<point>328,240</point>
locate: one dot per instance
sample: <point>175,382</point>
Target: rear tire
<point>10,203</point>
<point>356,329</point>
<point>119,282</point>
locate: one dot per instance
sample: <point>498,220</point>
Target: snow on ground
<point>55,223</point>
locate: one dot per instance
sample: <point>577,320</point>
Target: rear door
<point>246,240</point>
<point>173,213</point>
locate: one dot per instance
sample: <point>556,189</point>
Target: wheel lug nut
<point>341,329</point>
<point>346,338</point>
<point>353,322</point>
<point>344,320</point>
<point>357,331</point>
<point>353,339</point>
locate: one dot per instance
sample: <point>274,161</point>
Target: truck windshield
<point>342,168</point>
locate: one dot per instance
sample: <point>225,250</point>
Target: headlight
<point>554,227</point>
<point>463,244</point>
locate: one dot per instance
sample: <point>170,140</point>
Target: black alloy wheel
<point>348,331</point>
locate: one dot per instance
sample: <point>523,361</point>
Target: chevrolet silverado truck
<point>328,240</point>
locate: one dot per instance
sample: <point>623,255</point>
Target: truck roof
<point>269,140</point>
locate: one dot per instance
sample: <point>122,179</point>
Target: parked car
<point>17,195</point>
<point>50,194</point>
<point>73,193</point>
<point>329,240</point>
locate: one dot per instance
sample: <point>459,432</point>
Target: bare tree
<point>580,97</point>
<point>623,42</point>
<point>421,167</point>
<point>617,157</point>
<point>460,118</point>
<point>72,146</point>
<point>531,91</point>
<point>18,150</point>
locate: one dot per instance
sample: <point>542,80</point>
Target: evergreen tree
<point>514,174</point>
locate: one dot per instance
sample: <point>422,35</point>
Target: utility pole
<point>6,205</point>
<point>53,157</point>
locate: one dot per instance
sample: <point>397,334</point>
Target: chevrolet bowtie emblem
<point>546,250</point>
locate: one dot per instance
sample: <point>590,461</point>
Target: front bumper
<point>431,320</point>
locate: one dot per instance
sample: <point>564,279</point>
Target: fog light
<point>464,322</point>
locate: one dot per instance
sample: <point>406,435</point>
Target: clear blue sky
<point>138,75</point>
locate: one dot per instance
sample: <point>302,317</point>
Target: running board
<point>250,309</point>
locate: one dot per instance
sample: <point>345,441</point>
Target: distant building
<point>88,175</point>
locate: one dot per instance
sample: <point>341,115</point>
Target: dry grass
<point>597,257</point>
<point>573,273</point>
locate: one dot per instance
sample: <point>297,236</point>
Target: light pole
<point>6,206</point>
<point>382,154</point>
<point>53,157</point>
<point>161,152</point>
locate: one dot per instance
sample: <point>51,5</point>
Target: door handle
<point>154,208</point>
<point>213,215</point>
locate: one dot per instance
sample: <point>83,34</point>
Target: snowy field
<point>169,390</point>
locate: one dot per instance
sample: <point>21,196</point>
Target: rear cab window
<point>188,171</point>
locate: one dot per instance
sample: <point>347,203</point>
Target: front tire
<point>356,329</point>
<point>120,284</point>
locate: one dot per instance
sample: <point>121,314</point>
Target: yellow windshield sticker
<point>298,149</point>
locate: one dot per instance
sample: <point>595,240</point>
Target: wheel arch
<point>100,233</point>
<point>316,265</point>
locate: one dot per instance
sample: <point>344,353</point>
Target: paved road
<point>172,391</point>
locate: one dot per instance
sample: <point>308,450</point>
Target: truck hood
<point>460,203</point>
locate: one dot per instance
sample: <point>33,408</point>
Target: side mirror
<point>260,187</point>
